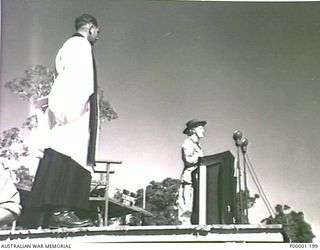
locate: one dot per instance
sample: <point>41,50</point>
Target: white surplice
<point>69,99</point>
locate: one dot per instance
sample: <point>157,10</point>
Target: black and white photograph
<point>159,122</point>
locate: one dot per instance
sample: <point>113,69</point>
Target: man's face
<point>200,131</point>
<point>93,34</point>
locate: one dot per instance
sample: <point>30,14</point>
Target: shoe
<point>72,215</point>
<point>67,219</point>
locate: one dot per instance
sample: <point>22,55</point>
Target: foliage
<point>36,83</point>
<point>31,122</point>
<point>295,226</point>
<point>105,108</point>
<point>23,177</point>
<point>248,201</point>
<point>161,198</point>
<point>11,145</point>
<point>13,148</point>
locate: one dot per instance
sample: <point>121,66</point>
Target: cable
<point>262,193</point>
<point>260,189</point>
<point>239,185</point>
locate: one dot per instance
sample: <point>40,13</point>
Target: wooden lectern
<point>215,192</point>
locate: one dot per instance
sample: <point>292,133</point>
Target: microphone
<point>237,135</point>
<point>244,144</point>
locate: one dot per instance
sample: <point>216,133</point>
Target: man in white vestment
<point>62,181</point>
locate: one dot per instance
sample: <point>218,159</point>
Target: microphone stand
<point>237,137</point>
<point>244,144</point>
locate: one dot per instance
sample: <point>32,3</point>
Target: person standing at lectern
<point>62,181</point>
<point>191,154</point>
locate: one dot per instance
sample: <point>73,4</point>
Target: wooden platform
<point>147,234</point>
<point>31,218</point>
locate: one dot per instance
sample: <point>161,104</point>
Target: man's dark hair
<point>84,19</point>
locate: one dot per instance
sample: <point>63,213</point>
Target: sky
<point>238,65</point>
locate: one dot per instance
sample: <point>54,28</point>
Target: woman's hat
<point>193,124</point>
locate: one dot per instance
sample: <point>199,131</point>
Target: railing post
<point>106,193</point>
<point>106,196</point>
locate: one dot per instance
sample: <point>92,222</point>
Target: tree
<point>23,177</point>
<point>294,224</point>
<point>105,108</point>
<point>12,146</point>
<point>248,201</point>
<point>161,199</point>
<point>37,83</point>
